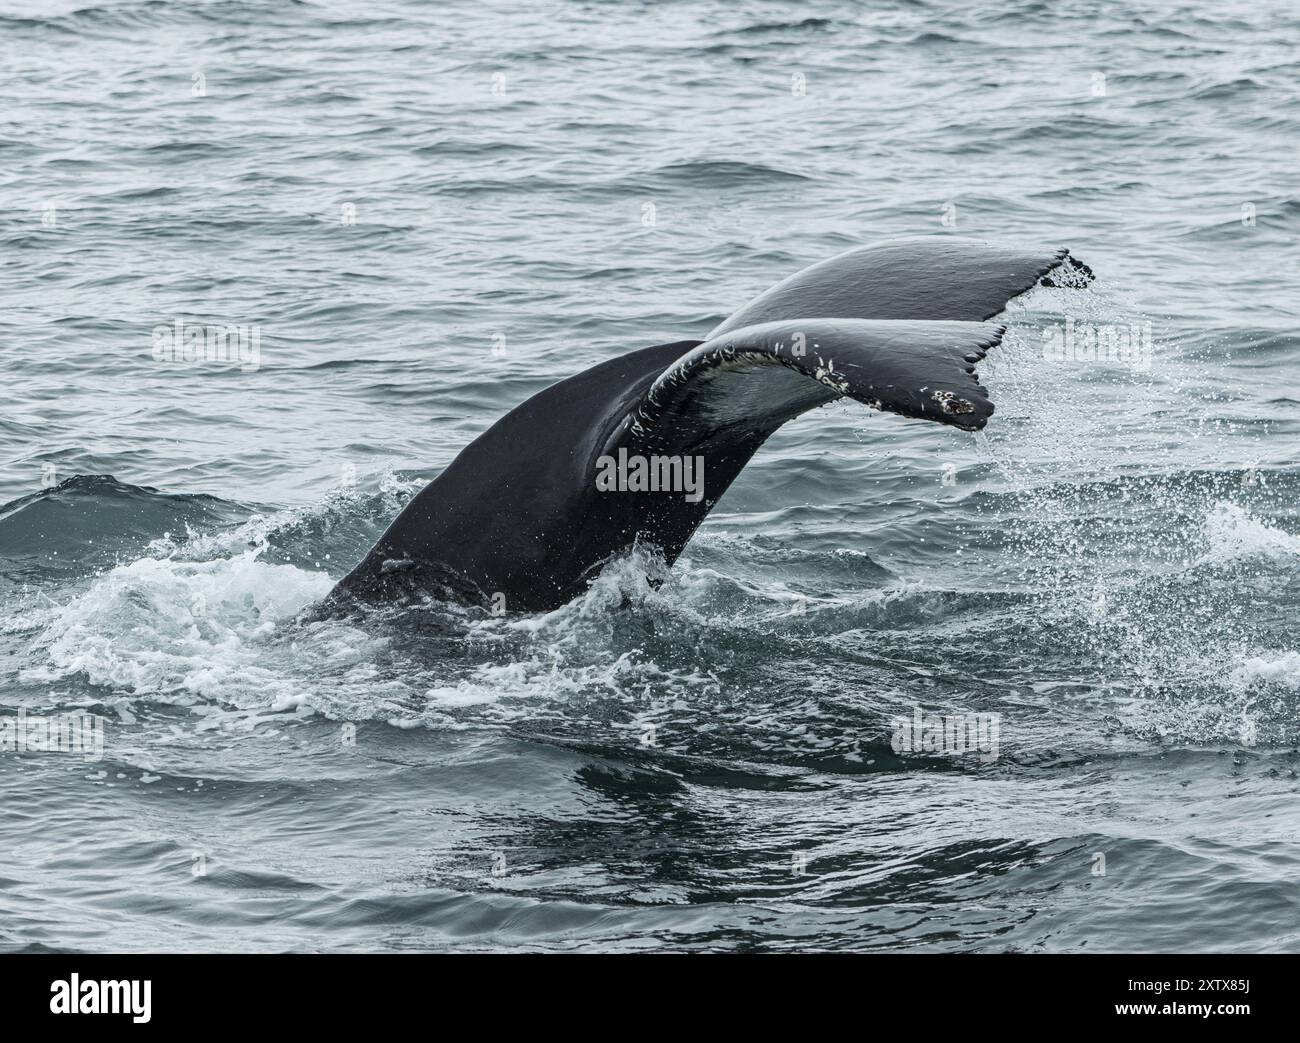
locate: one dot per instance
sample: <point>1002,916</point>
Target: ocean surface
<point>426,212</point>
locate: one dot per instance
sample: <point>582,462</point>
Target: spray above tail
<point>640,448</point>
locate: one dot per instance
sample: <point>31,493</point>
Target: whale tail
<point>529,511</point>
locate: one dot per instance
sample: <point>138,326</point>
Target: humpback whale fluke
<point>530,510</point>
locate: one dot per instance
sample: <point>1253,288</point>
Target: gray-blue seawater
<point>426,212</point>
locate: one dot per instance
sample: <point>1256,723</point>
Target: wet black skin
<point>517,521</point>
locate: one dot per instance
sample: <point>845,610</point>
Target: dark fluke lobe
<point>641,447</point>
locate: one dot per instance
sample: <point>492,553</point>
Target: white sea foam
<point>1280,668</point>
<point>213,635</point>
<point>567,657</point>
<point>1231,533</point>
<point>157,626</point>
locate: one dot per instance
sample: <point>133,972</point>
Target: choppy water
<point>391,191</point>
